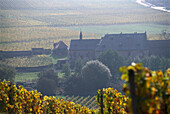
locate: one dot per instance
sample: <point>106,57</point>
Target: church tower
<point>81,36</point>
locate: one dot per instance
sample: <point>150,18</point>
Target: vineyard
<point>25,29</point>
<point>112,12</point>
<point>146,92</point>
<point>20,39</point>
<point>89,102</point>
<point>19,100</point>
<point>34,61</point>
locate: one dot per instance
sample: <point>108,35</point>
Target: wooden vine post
<point>132,91</point>
<point>102,102</point>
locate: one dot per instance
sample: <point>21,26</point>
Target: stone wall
<point>33,69</point>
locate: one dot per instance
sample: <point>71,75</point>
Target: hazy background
<point>27,24</point>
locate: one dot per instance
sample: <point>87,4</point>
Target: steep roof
<point>60,45</point>
<point>133,41</point>
<point>84,44</point>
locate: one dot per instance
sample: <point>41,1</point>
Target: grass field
<point>24,77</point>
<point>125,28</point>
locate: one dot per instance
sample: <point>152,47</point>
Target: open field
<point>34,61</point>
<point>24,77</point>
<point>125,28</point>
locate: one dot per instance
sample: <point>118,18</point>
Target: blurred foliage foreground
<point>151,93</point>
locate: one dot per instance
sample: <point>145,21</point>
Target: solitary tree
<point>95,75</point>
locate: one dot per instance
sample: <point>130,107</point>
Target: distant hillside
<point>164,3</point>
<point>32,4</point>
<point>56,4</point>
<point>14,4</point>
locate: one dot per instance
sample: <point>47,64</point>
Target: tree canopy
<point>66,69</point>
<point>7,72</point>
<point>112,60</point>
<point>95,75</point>
<point>48,81</point>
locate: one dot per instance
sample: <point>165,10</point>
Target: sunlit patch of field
<point>34,61</point>
<point>25,77</point>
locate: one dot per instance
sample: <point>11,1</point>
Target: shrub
<point>47,86</point>
<point>48,81</point>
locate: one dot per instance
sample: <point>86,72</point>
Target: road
<point>146,4</point>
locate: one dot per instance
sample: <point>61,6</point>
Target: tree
<point>1,56</point>
<point>48,73</point>
<point>153,62</point>
<point>164,35</point>
<point>112,60</point>
<point>74,85</point>
<point>66,69</point>
<point>47,82</point>
<point>95,76</point>
<point>7,72</point>
<point>47,86</point>
<point>78,67</point>
<point>156,62</point>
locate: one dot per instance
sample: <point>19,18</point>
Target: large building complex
<point>128,45</point>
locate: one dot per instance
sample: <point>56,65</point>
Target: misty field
<point>40,26</point>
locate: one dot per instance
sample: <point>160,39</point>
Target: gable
<point>60,45</point>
